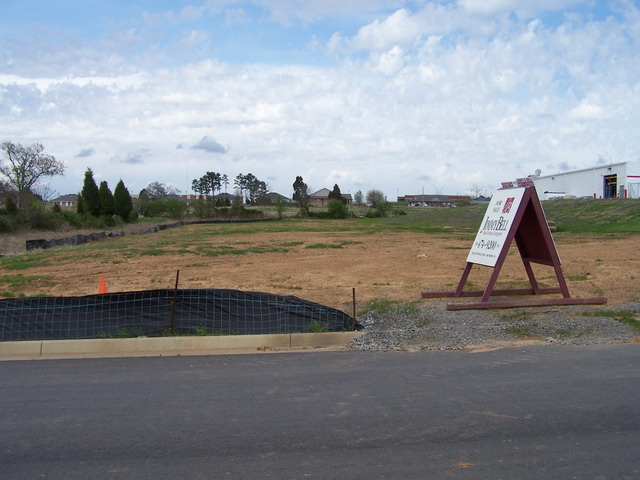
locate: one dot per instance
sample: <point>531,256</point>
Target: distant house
<point>434,200</point>
<point>321,197</point>
<point>66,202</point>
<point>273,197</point>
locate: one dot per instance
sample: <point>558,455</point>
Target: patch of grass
<point>424,322</point>
<point>316,326</point>
<point>24,262</point>
<point>577,278</point>
<point>170,332</point>
<point>154,252</point>
<point>382,306</point>
<point>568,333</point>
<point>291,244</point>
<point>202,331</point>
<point>520,331</point>
<point>520,328</point>
<point>20,281</point>
<point>122,333</point>
<point>324,245</point>
<point>622,316</point>
<point>594,216</point>
<point>7,294</point>
<point>214,251</point>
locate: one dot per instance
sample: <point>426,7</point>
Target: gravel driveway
<point>433,327</point>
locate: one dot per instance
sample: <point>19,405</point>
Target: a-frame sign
<point>514,213</point>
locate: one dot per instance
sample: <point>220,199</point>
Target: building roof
<point>70,197</point>
<point>322,193</point>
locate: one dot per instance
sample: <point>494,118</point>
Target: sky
<point>407,97</point>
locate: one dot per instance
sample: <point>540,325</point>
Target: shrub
<point>203,209</point>
<point>6,226</point>
<point>337,209</point>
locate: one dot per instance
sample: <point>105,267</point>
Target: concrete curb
<point>171,346</point>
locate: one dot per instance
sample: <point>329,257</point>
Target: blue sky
<point>406,97</point>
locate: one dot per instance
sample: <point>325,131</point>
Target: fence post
<point>175,300</point>
<point>353,321</point>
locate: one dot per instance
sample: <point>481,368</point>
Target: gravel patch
<point>433,327</point>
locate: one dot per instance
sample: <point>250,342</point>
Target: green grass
<point>122,333</point>
<point>202,331</point>
<point>594,216</point>
<point>383,305</point>
<point>577,278</point>
<point>520,331</point>
<point>521,328</point>
<point>316,326</point>
<point>20,281</point>
<point>24,262</point>
<point>324,245</point>
<point>622,316</point>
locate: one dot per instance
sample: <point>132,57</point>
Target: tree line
<point>249,188</point>
<point>24,167</point>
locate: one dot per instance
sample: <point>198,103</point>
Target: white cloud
<point>524,8</point>
<point>432,98</point>
<point>208,144</point>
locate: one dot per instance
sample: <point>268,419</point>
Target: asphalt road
<point>529,413</point>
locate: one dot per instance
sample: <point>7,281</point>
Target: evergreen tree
<point>80,207</point>
<point>90,195</point>
<point>301,195</point>
<point>335,194</point>
<point>106,200</point>
<point>122,203</point>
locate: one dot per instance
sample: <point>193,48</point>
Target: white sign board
<point>495,226</point>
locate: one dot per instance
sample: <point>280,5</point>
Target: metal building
<point>615,180</point>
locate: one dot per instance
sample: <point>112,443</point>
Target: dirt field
<point>395,266</point>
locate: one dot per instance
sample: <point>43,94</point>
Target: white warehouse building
<point>616,180</point>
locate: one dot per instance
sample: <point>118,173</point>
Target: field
<point>323,260</point>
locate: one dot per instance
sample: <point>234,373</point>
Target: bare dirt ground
<point>394,266</point>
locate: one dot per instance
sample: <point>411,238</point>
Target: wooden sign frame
<point>529,228</point>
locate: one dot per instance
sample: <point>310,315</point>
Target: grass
<point>594,216</point>
<point>622,316</point>
<point>316,326</point>
<point>123,333</point>
<point>324,245</point>
<point>25,262</point>
<point>20,281</point>
<point>382,306</point>
<point>521,329</point>
<point>202,331</point>
<point>577,278</point>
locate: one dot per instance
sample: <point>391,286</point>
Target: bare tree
<point>45,191</point>
<point>476,190</point>
<point>23,166</point>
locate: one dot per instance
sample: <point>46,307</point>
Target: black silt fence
<point>158,312</point>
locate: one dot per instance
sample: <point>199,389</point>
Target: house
<point>615,180</point>
<point>321,197</point>
<point>66,202</point>
<point>272,197</point>
<point>438,200</point>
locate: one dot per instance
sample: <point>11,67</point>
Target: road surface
<point>519,413</point>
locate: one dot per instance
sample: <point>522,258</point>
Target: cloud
<point>208,144</point>
<point>85,152</point>
<point>413,88</point>
<point>523,8</point>
<point>135,158</point>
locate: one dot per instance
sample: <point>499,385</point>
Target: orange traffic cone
<point>102,287</point>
